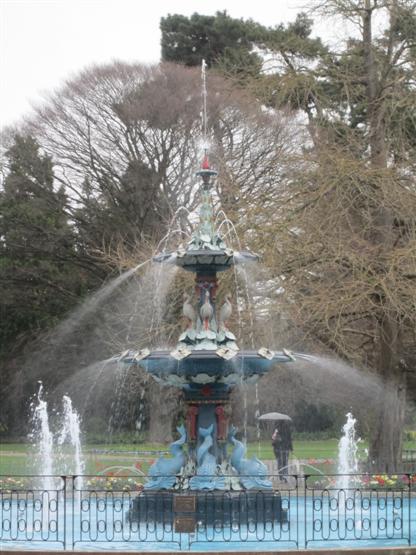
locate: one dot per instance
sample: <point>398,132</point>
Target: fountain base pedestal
<point>219,508</point>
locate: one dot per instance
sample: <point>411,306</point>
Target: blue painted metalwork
<point>163,472</point>
<point>206,475</point>
<point>244,366</point>
<point>253,473</point>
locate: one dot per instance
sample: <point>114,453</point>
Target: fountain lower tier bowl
<point>206,260</point>
<point>221,508</point>
<point>206,367</point>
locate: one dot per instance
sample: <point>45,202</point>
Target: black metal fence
<point>299,512</point>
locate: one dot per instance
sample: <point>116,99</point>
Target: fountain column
<point>208,405</point>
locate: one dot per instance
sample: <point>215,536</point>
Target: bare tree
<point>343,233</point>
<point>126,140</point>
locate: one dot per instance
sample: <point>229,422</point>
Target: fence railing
<point>298,512</point>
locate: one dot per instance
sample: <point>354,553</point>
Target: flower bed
<point>111,482</point>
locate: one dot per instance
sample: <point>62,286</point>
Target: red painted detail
<point>191,417</point>
<point>206,391</point>
<point>205,163</point>
<point>222,423</point>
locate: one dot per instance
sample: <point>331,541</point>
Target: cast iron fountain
<point>206,364</point>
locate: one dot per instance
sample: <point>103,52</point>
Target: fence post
<point>64,499</point>
<point>68,512</point>
<point>72,478</point>
<point>305,516</point>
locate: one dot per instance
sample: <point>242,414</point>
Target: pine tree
<point>126,210</point>
<point>220,40</point>
<point>37,247</point>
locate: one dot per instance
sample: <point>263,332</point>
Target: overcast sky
<point>43,42</point>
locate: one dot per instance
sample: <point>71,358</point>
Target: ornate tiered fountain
<point>206,364</point>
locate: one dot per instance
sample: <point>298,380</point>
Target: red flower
<point>138,465</point>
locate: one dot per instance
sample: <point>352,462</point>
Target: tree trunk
<point>386,442</point>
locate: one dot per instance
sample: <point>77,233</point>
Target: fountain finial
<point>206,172</point>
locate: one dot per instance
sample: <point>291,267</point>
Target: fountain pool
<point>93,517</point>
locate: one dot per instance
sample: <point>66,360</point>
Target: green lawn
<point>16,458</point>
<point>311,449</point>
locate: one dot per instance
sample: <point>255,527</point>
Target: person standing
<point>282,445</point>
<point>277,448</point>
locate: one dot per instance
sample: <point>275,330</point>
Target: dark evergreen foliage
<point>126,210</point>
<point>218,39</point>
<point>37,245</point>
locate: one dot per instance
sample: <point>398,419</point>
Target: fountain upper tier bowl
<point>206,260</point>
<point>205,367</point>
